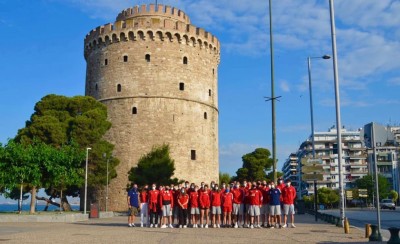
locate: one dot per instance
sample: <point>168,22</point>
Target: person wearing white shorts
<point>288,194</point>
<point>216,210</point>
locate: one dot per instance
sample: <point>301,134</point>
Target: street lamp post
<point>337,105</point>
<point>86,176</point>
<point>108,161</point>
<point>312,128</point>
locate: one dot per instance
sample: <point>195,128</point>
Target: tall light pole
<point>86,176</point>
<point>108,160</point>
<point>312,128</point>
<point>311,100</point>
<point>337,105</point>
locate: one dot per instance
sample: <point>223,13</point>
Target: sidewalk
<point>115,230</point>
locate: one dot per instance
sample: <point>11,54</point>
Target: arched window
<point>119,88</point>
<point>182,86</point>
<point>193,154</point>
<point>205,115</point>
<point>105,62</point>
<point>134,110</point>
<point>185,60</point>
<point>209,92</point>
<point>125,58</point>
<point>96,87</point>
<point>147,57</point>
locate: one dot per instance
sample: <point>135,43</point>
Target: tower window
<point>182,86</point>
<point>105,62</point>
<point>185,60</point>
<point>147,57</point>
<point>134,110</point>
<point>205,115</point>
<point>193,154</point>
<point>213,71</point>
<point>96,87</point>
<point>126,58</point>
<point>209,92</point>
<point>119,88</point>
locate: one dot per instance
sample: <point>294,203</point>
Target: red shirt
<point>153,199</point>
<point>288,195</point>
<point>255,197</point>
<point>237,196</point>
<point>204,199</point>
<point>144,197</point>
<point>175,194</point>
<point>265,195</point>
<point>215,199</point>
<point>183,200</point>
<point>194,199</point>
<point>226,199</point>
<point>166,196</point>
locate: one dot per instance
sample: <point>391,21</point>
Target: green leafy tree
<point>328,197</point>
<point>224,178</point>
<point>59,120</point>
<point>255,165</point>
<point>394,195</point>
<point>367,182</point>
<point>154,167</point>
<point>270,175</point>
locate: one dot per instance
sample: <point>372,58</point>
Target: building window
<point>193,154</point>
<point>147,57</point>
<point>119,88</point>
<point>213,71</point>
<point>134,110</point>
<point>185,60</point>
<point>126,58</point>
<point>205,115</point>
<point>182,86</point>
<point>105,62</point>
<point>96,87</point>
<point>209,92</point>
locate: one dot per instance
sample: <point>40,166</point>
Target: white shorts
<point>274,210</point>
<point>216,210</point>
<point>265,209</point>
<point>166,210</point>
<point>254,210</point>
<point>238,209</point>
<point>288,209</point>
<point>194,211</point>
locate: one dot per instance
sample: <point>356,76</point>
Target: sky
<point>41,52</point>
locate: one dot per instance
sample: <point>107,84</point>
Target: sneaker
<point>206,226</point>
<point>251,227</point>
<point>151,226</point>
<point>236,226</point>
<point>133,225</point>
<point>284,226</point>
<point>258,226</point>
<point>201,226</point>
<point>195,226</point>
<point>271,227</point>
<point>180,227</point>
<point>184,226</point>
<point>129,225</point>
<point>280,226</point>
<point>218,226</point>
<point>141,225</point>
<point>170,226</point>
<point>214,226</point>
<point>163,226</point>
<point>293,226</point>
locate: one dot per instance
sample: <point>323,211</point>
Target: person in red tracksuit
<point>288,195</point>
<point>144,206</point>
<point>238,208</point>
<point>153,205</point>
<point>216,207</point>
<point>166,204</point>
<point>204,202</point>
<point>265,220</point>
<point>183,202</point>
<point>227,205</point>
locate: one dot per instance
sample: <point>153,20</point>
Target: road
<point>359,217</point>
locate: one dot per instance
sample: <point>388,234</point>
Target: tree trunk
<point>65,204</point>
<point>33,200</point>
<point>20,200</point>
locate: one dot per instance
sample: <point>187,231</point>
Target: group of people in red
<point>247,205</point>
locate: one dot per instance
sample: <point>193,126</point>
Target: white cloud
<point>284,86</point>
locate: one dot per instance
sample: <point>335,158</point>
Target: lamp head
<point>326,56</point>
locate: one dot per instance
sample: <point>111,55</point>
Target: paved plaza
<point>115,230</point>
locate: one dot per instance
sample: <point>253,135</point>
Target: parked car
<point>388,203</point>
